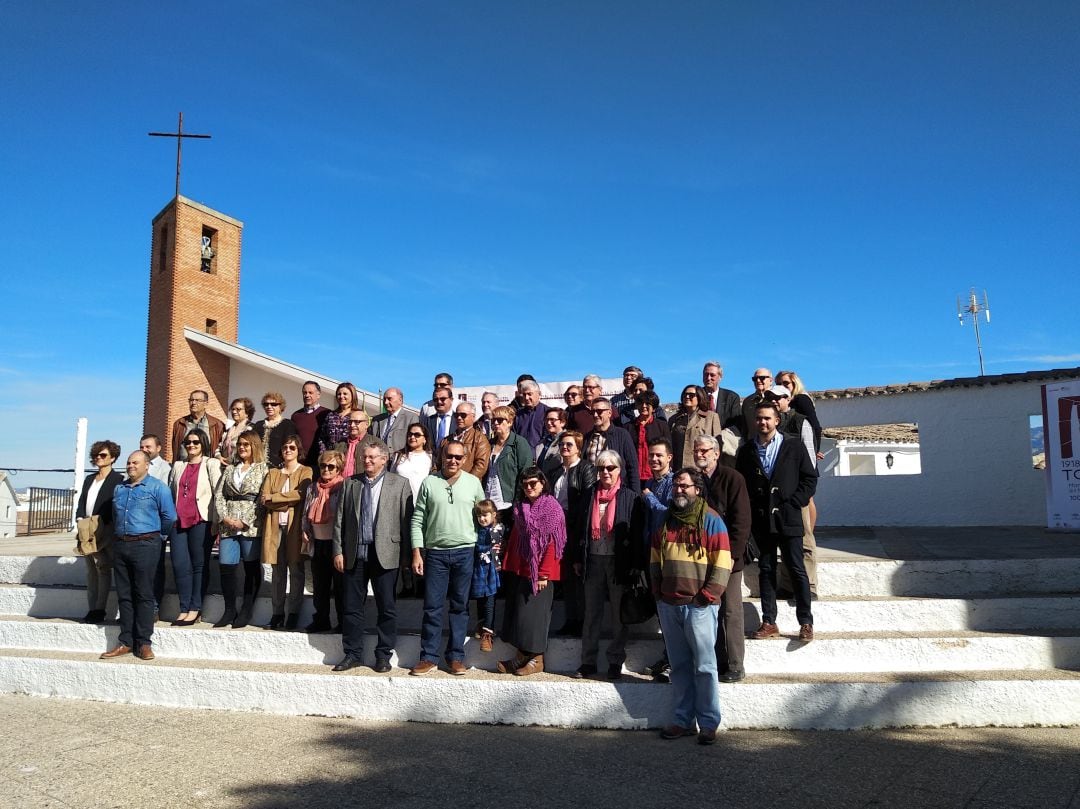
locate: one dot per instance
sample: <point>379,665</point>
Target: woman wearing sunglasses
<point>693,419</point>
<point>275,428</point>
<point>510,456</point>
<point>320,505</point>
<point>95,500</point>
<point>193,482</point>
<point>283,492</point>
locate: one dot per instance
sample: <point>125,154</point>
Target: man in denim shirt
<point>142,512</point>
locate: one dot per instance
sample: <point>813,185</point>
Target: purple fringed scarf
<point>543,523</point>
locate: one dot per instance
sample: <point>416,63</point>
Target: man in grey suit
<point>393,425</point>
<point>374,513</point>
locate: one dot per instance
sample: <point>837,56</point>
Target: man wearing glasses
<point>477,446</point>
<point>443,381</point>
<point>197,419</point>
<point>762,380</point>
<point>353,447</point>
<point>442,525</point>
<point>605,435</point>
<point>440,423</point>
<point>579,416</point>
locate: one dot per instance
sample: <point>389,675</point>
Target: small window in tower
<point>209,250</point>
<point>163,247</point>
<point>211,326</point>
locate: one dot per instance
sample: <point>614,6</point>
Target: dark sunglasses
<point>451,457</point>
<point>607,468</point>
<point>331,466</point>
<point>596,411</point>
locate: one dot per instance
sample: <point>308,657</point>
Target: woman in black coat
<point>95,500</point>
<point>570,484</point>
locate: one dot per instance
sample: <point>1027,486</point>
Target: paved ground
<point>834,544</point>
<point>62,753</point>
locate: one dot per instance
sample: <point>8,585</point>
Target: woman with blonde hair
<point>275,428</point>
<point>239,520</point>
<point>317,527</point>
<point>283,491</point>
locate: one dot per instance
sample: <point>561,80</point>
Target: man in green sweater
<point>442,524</point>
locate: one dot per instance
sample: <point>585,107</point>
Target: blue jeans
<point>133,574</point>
<point>190,561</point>
<point>447,577</point>
<point>690,637</point>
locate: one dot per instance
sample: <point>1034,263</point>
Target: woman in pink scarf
<point>530,568</point>
<point>610,555</point>
<point>318,527</point>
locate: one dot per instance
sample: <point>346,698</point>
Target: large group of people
<point>593,500</point>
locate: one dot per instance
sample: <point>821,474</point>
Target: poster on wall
<point>1061,437</point>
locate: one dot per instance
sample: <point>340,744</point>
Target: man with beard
<point>689,565</point>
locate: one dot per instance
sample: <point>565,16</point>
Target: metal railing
<point>50,510</point>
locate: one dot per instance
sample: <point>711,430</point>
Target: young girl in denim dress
<point>485,580</point>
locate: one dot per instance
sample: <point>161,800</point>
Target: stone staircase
<point>899,643</point>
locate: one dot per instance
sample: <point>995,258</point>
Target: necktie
<point>712,400</point>
<point>389,426</point>
<point>441,434</point>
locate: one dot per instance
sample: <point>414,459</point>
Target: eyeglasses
<point>597,411</point>
<point>528,484</point>
<point>573,395</point>
<point>357,422</point>
<point>500,421</point>
<point>760,378</point>
<point>195,401</point>
<point>442,398</point>
<point>689,395</point>
<point>461,415</point>
<point>450,494</point>
<point>416,435</point>
<point>554,420</point>
<point>567,445</point>
<point>591,387</point>
<point>328,466</point>
<point>607,468</point>
<point>103,455</point>
<point>271,404</point>
<point>289,448</point>
<point>193,443</point>
<point>451,457</point>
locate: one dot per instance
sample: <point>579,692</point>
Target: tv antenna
<point>971,311</point>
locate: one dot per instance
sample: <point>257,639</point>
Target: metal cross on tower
<point>179,134</point>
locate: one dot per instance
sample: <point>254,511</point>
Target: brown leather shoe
<point>422,668</point>
<point>487,641</point>
<point>511,665</point>
<point>456,667</point>
<point>675,732</point>
<point>706,736</point>
<point>806,633</point>
<point>116,651</point>
<point>534,665</point>
<point>145,652</point>
<point>766,630</point>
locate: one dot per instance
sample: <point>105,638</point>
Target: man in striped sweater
<point>689,568</point>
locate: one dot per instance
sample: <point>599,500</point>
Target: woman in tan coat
<point>283,494</point>
<point>693,419</point>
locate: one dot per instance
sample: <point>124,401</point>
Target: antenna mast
<point>971,310</point>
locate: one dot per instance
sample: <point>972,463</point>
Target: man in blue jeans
<point>442,524</point>
<point>143,512</point>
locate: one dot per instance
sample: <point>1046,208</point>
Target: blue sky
<point>555,188</point>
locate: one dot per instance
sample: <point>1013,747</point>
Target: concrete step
<point>903,614</point>
<point>966,578</point>
<point>848,653</point>
<point>1001,698</point>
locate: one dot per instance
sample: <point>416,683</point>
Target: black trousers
<point>326,582</point>
<point>383,584</point>
<point>791,551</point>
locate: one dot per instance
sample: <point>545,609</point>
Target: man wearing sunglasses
<point>477,446</point>
<point>440,423</point>
<point>763,380</point>
<point>442,381</point>
<point>606,435</point>
<point>442,526</point>
<point>196,419</point>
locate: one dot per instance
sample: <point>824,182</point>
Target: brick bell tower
<point>194,282</point>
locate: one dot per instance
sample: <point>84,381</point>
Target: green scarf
<point>692,520</point>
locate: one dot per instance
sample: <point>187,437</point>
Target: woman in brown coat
<point>283,494</point>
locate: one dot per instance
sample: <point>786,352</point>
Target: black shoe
<point>276,622</point>
<point>584,671</point>
<point>732,676</point>
<point>317,626</point>
<point>661,675</point>
<point>382,666</point>
<point>243,618</point>
<point>292,622</point>
<point>614,672</point>
<point>94,617</point>
<point>226,618</point>
<point>349,662</point>
<point>659,666</point>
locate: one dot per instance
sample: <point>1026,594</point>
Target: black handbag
<point>752,552</point>
<point>637,604</point>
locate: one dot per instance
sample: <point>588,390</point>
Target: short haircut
<point>713,364</point>
<point>487,393</point>
<point>333,455</point>
<point>351,388</point>
<point>526,378</point>
<point>528,384</point>
<point>768,405</point>
<point>647,381</point>
<point>247,404</point>
<point>469,406</point>
<point>449,377</point>
<point>696,477</point>
<point>601,400</point>
<point>708,441</point>
<point>294,439</point>
<point>146,437</point>
<point>110,446</point>
<point>277,397</point>
<point>557,411</point>
<point>649,398</point>
<point>205,395</point>
<point>318,387</point>
<point>378,444</point>
<point>484,507</point>
<point>662,442</point>
<point>609,457</point>
<point>502,412</point>
<point>258,452</point>
<point>592,378</point>
<point>632,369</point>
<point>532,472</point>
<point>579,439</point>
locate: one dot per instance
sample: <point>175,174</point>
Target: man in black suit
<point>780,480</point>
<point>440,423</point>
<point>373,515</point>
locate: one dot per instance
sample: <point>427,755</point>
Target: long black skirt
<point>526,617</point>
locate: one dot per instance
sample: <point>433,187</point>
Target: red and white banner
<point>1061,439</point>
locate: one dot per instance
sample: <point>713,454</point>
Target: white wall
<point>253,382</point>
<point>8,509</point>
<point>975,453</point>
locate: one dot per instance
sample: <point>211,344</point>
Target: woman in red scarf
<point>530,569</point>
<point>644,429</point>
<point>318,527</point>
<point>610,556</point>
